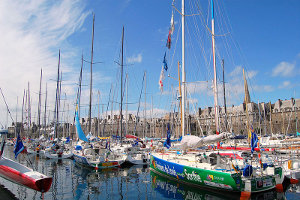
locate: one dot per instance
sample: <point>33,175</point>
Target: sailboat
<point>209,169</point>
<point>90,154</point>
<point>58,150</point>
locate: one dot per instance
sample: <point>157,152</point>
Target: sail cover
<point>192,141</point>
<point>80,132</point>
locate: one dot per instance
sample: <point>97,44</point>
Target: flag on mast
<point>165,63</point>
<point>171,30</point>
<point>19,147</point>
<point>161,78</point>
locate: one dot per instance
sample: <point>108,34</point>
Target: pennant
<point>161,78</point>
<point>165,63</point>
<point>19,147</point>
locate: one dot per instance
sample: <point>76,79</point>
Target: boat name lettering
<point>192,176</point>
<point>166,169</point>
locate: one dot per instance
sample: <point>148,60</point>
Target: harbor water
<point>71,181</point>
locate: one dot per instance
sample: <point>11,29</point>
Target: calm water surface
<point>71,181</point>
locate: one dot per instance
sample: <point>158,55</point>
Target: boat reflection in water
<point>173,190</point>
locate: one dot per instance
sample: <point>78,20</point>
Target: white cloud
<point>135,59</point>
<point>31,34</point>
<point>285,84</point>
<point>284,69</point>
<point>263,88</point>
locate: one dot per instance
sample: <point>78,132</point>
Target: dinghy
<point>18,173</point>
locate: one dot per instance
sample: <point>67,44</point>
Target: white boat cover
<point>192,141</point>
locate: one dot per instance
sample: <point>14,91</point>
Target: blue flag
<point>165,63</point>
<point>254,140</point>
<point>167,143</point>
<point>68,140</point>
<point>19,147</point>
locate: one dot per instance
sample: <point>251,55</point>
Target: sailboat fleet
<point>252,167</point>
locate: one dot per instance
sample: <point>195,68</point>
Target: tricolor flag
<point>19,147</point>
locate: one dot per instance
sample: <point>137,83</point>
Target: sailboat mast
<point>183,66</point>
<point>22,125</point>
<point>224,95</point>
<point>45,114</point>
<point>121,107</point>
<point>56,98</point>
<point>145,108</point>
<point>39,105</point>
<point>180,98</point>
<point>215,69</point>
<point>91,81</point>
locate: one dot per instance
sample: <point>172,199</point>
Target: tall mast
<point>56,97</point>
<point>224,95</point>
<point>215,69</point>
<point>29,108</point>
<point>79,89</point>
<point>270,118</point>
<point>91,81</point>
<point>16,117</point>
<point>22,125</point>
<point>183,67</point>
<point>127,116</point>
<point>39,105</point>
<point>121,107</point>
<point>259,117</point>
<point>45,114</point>
<point>145,107</point>
<point>180,98</point>
<point>98,121</point>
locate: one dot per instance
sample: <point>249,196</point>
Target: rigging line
<point>172,60</point>
<point>6,105</point>
<point>92,62</point>
<point>185,14</point>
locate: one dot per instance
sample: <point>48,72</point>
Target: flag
<point>165,63</point>
<point>161,78</point>
<point>68,140</point>
<point>171,30</point>
<point>172,24</point>
<point>19,147</point>
<point>167,143</point>
<point>169,40</point>
<point>254,139</point>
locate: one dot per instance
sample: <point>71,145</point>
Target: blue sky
<point>260,36</point>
